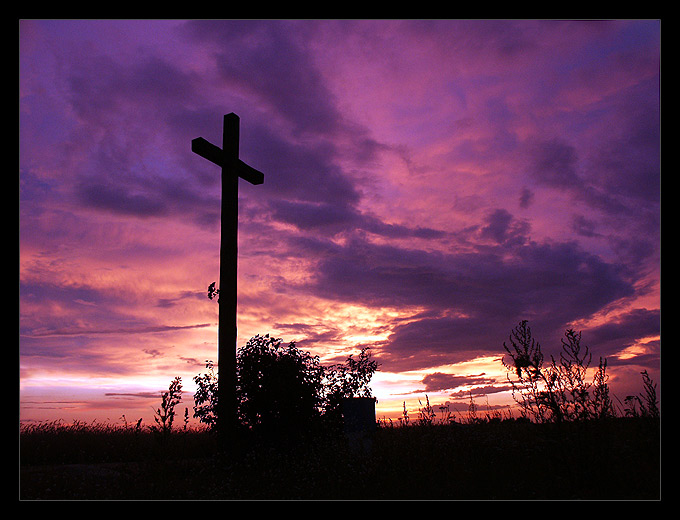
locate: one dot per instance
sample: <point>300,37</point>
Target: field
<point>616,459</point>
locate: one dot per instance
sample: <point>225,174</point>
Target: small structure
<point>359,420</point>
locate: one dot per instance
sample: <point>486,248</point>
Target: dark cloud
<point>480,391</point>
<point>537,276</point>
<point>621,175</point>
<point>304,184</point>
<point>118,200</point>
<point>265,60</point>
<point>474,298</point>
<point>438,381</point>
<point>504,229</point>
<point>623,331</point>
<point>308,215</point>
<point>526,198</point>
<point>584,227</point>
<point>135,395</point>
<point>332,218</point>
<point>627,163</point>
<point>128,113</point>
<point>555,164</point>
<point>100,87</point>
<point>431,342</point>
<point>296,171</point>
<point>141,329</point>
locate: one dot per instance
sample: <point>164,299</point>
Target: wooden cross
<point>232,169</point>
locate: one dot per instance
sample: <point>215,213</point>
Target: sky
<point>428,184</point>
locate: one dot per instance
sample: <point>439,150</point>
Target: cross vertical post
<point>227,328</point>
<point>232,169</point>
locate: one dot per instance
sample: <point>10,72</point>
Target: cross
<point>232,169</point>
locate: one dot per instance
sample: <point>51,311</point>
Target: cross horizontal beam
<point>214,154</point>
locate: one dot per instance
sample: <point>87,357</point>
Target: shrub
<point>279,385</point>
<point>558,391</point>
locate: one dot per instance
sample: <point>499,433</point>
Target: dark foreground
<point>508,460</point>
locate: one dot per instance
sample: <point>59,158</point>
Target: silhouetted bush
<point>648,402</point>
<point>281,389</point>
<point>557,391</point>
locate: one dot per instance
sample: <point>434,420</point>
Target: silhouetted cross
<point>232,169</point>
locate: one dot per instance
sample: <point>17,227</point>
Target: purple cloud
<point>464,174</point>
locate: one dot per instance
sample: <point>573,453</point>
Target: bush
<point>280,387</point>
<point>558,391</point>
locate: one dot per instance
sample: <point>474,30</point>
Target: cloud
<point>264,60</point>
<point>482,280</point>
<point>584,226</point>
<point>555,164</point>
<point>438,381</point>
<point>485,390</point>
<point>101,86</point>
<point>504,229</point>
<point>623,331</point>
<point>136,395</point>
<point>526,198</point>
<point>331,219</point>
<point>449,178</point>
<point>118,200</point>
<point>148,329</point>
<point>469,299</point>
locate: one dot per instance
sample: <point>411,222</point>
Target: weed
<point>165,415</point>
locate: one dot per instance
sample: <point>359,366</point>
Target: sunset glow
<point>428,185</point>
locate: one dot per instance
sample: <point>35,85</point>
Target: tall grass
<point>57,442</point>
<point>486,458</point>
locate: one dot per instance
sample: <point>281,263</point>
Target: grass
<point>615,459</point>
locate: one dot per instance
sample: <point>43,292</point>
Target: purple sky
<point>428,184</point>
